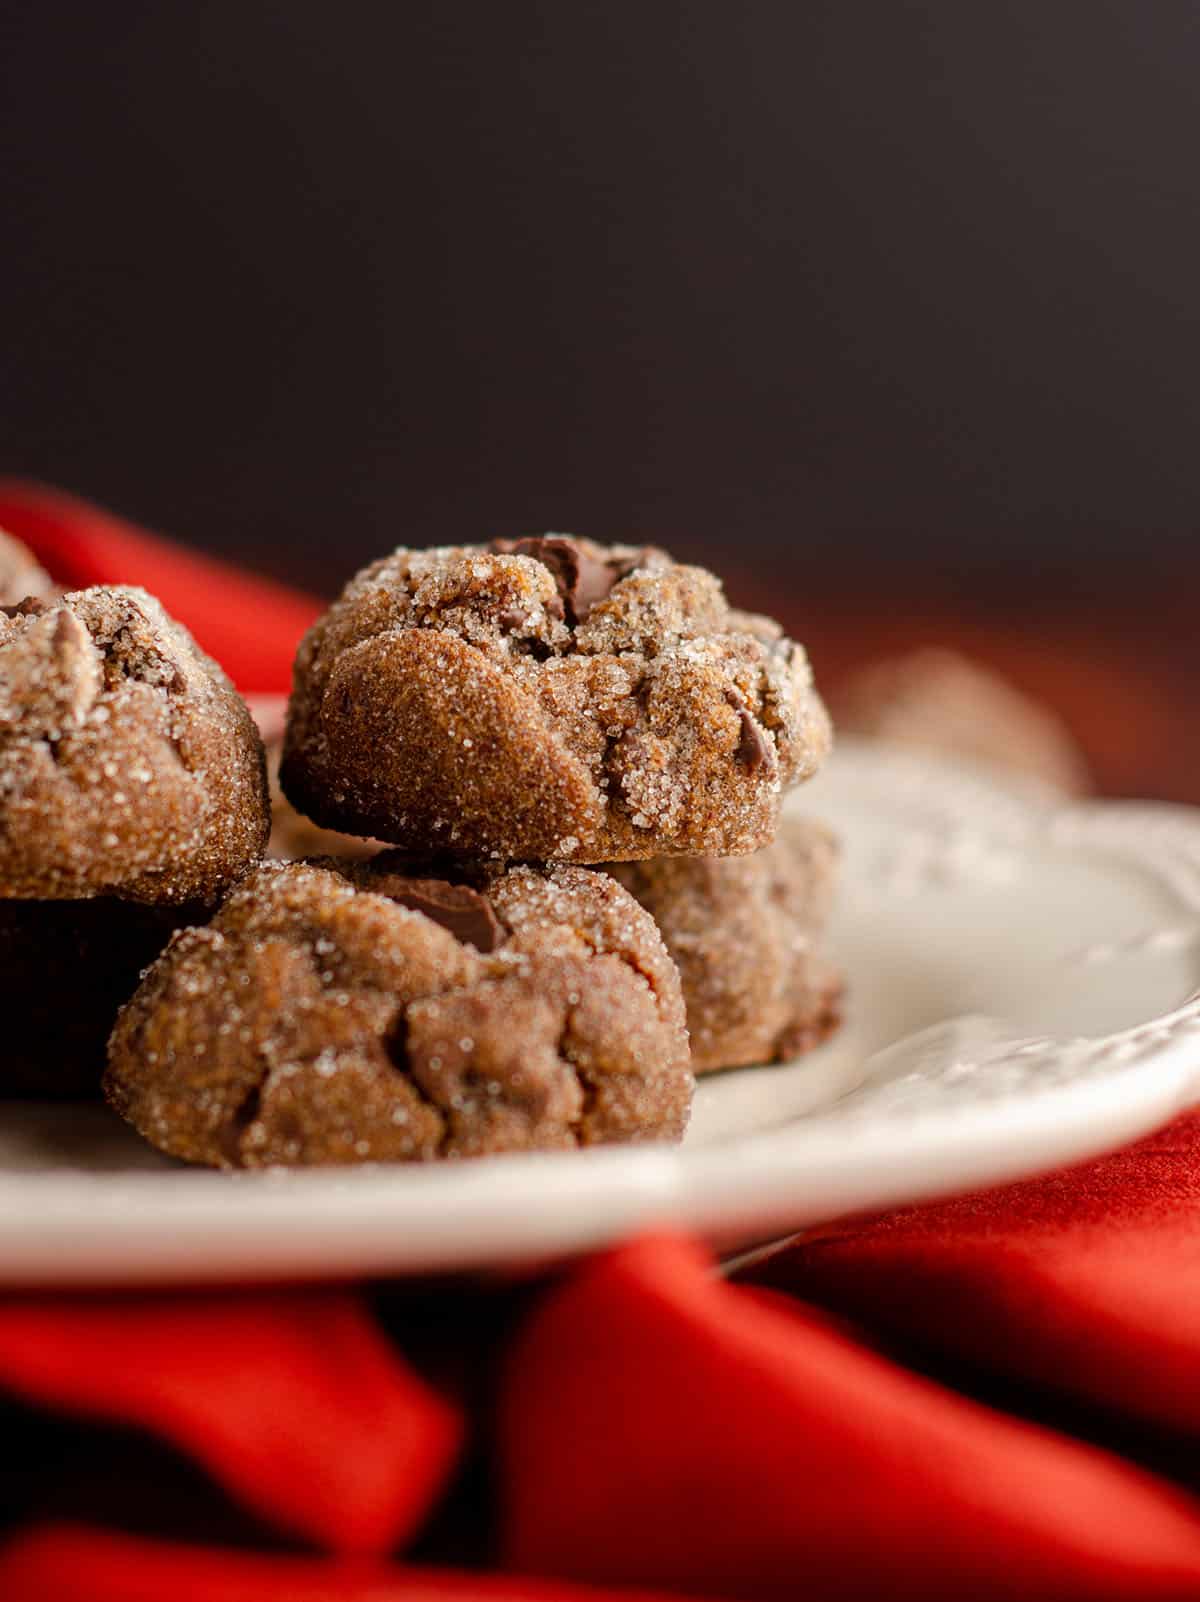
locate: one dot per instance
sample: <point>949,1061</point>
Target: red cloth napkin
<point>850,1419</point>
<point>251,625</point>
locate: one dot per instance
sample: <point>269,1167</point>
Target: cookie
<point>937,701</point>
<point>20,573</point>
<point>129,765</point>
<point>66,968</point>
<point>546,699</point>
<point>744,932</point>
<point>356,1012</point>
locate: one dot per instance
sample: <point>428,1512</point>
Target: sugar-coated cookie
<point>744,933</point>
<point>129,765</point>
<point>545,699</point>
<point>355,1012</point>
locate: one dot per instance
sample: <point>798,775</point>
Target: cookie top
<point>340,1013</point>
<point>939,701</point>
<point>744,933</point>
<point>547,699</point>
<point>20,573</point>
<point>129,765</point>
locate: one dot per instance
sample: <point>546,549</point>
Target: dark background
<point>886,309</point>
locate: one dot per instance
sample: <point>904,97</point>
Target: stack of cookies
<point>132,797</point>
<point>575,758</point>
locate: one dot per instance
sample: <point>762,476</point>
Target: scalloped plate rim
<point>74,1227</point>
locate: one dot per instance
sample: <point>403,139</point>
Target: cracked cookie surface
<point>360,1011</point>
<point>744,933</point>
<point>129,765</point>
<point>547,699</point>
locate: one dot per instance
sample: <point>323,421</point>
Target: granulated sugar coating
<point>320,1018</point>
<point>744,932</point>
<point>129,766</point>
<point>548,699</point>
<point>20,573</point>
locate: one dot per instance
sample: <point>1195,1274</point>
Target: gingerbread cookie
<point>744,933</point>
<point>129,766</point>
<point>548,699</point>
<point>355,1012</point>
<point>66,967</point>
<point>938,701</point>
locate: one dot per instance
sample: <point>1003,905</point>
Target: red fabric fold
<point>65,1564</point>
<point>661,1427</point>
<point>251,625</point>
<point>650,1425</point>
<point>293,1401</point>
<point>1087,1281</point>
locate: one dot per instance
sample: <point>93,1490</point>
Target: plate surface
<point>1023,992</point>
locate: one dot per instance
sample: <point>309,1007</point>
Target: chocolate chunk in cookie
<point>744,933</point>
<point>129,765</point>
<point>324,1016</point>
<point>66,968</point>
<point>548,699</point>
<point>583,572</point>
<point>465,912</point>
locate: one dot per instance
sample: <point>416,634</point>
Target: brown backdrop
<point>885,310</point>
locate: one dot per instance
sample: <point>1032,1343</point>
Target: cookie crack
<point>628,958</point>
<point>587,1088</point>
<point>755,746</point>
<point>231,1133</point>
<point>582,579</point>
<point>611,789</point>
<point>125,661</point>
<point>395,1045</point>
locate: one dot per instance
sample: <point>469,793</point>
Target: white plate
<point>1023,992</point>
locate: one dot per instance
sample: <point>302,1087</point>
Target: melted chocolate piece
<point>583,580</point>
<point>463,911</point>
<point>31,606</point>
<point>753,749</point>
<point>596,580</point>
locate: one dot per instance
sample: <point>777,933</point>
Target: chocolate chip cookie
<point>66,967</point>
<point>744,933</point>
<point>129,766</point>
<point>342,1013</point>
<point>938,701</point>
<point>548,698</point>
<point>20,573</point>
